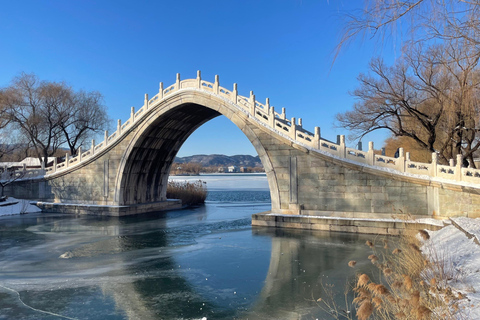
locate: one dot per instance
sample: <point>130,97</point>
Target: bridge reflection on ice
<point>201,262</point>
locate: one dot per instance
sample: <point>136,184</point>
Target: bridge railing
<point>292,128</point>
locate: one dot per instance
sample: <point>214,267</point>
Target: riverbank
<point>13,206</point>
<point>392,227</point>
<point>456,246</point>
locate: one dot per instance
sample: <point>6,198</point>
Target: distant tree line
<point>195,168</point>
<point>39,118</point>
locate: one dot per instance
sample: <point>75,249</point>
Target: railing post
<point>160,91</point>
<point>293,129</point>
<point>300,122</point>
<point>92,148</point>
<point>271,114</point>
<point>132,110</point>
<point>199,79</point>
<point>177,82</point>
<point>119,127</point>
<point>216,84</point>
<point>145,101</point>
<point>433,168</point>
<point>252,103</point>
<point>401,160</point>
<point>284,114</point>
<point>55,164</point>
<point>371,154</point>
<point>458,168</point>
<point>235,93</point>
<point>66,160</point>
<point>383,151</point>
<point>42,166</point>
<point>407,156</point>
<point>105,139</point>
<point>316,138</point>
<point>79,154</point>
<point>451,162</point>
<point>342,148</point>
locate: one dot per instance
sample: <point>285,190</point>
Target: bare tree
<point>417,21</point>
<point>86,117</point>
<point>50,114</point>
<point>32,107</point>
<point>430,96</point>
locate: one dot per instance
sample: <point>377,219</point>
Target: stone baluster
<point>66,160</point>
<point>293,129</point>
<point>199,79</point>
<point>271,112</point>
<point>132,110</point>
<point>216,85</point>
<point>316,138</point>
<point>92,148</point>
<point>434,165</point>
<point>371,154</point>
<point>105,139</point>
<point>119,127</point>
<point>235,93</point>
<point>177,82</point>
<point>400,163</point>
<point>284,114</point>
<point>342,149</point>
<point>252,104</point>
<point>160,91</point>
<point>458,168</point>
<point>79,154</point>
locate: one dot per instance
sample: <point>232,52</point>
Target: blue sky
<point>281,49</point>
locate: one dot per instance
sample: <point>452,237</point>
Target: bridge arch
<point>144,169</point>
<point>307,175</point>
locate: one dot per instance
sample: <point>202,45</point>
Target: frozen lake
<point>187,264</point>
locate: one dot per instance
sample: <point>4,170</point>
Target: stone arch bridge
<point>127,172</point>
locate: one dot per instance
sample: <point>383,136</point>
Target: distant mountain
<point>222,160</point>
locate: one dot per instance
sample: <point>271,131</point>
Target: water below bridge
<point>206,262</point>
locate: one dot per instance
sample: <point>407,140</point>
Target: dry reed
<point>191,193</point>
<point>409,286</point>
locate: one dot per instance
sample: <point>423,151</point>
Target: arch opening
<point>148,159</point>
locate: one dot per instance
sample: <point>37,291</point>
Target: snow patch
<point>461,257</point>
<point>14,206</point>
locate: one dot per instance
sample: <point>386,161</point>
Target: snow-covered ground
<point>461,257</point>
<point>16,206</point>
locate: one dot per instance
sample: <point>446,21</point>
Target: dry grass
<point>191,193</point>
<point>409,286</point>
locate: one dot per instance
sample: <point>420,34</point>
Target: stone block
<point>319,226</point>
<point>372,230</point>
<point>337,228</point>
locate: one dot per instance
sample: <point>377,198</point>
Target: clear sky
<point>281,49</point>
